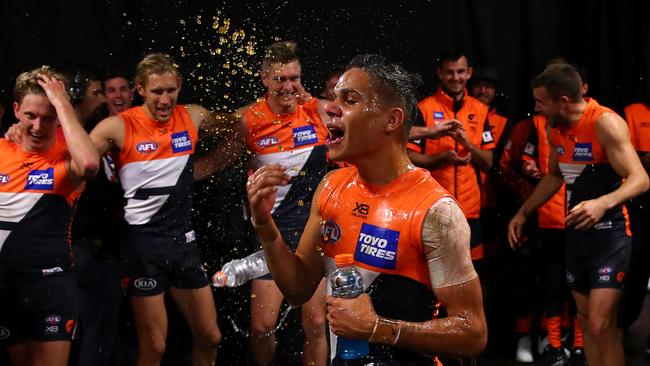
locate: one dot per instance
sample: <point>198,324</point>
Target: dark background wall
<point>515,37</point>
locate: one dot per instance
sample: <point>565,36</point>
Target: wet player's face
<point>160,93</point>
<point>283,83</point>
<point>356,125</point>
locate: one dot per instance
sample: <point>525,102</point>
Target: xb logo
<point>361,209</point>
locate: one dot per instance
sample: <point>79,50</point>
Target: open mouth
<point>36,136</point>
<point>119,105</point>
<point>164,111</point>
<point>335,134</point>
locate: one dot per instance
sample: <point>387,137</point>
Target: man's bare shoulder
<point>445,239</point>
<point>111,123</point>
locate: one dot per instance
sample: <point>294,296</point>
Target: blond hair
<point>155,63</point>
<point>282,52</point>
<point>27,82</point>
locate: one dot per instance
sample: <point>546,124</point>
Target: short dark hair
<point>118,72</point>
<point>393,83</point>
<point>337,71</point>
<point>452,54</point>
<point>559,80</point>
<point>584,75</point>
<point>280,52</point>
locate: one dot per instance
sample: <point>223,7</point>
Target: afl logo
<point>146,147</point>
<point>144,283</point>
<point>4,333</point>
<point>4,178</point>
<point>331,232</point>
<point>560,150</point>
<point>268,141</point>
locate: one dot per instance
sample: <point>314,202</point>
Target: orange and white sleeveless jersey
<point>296,141</point>
<point>155,170</point>
<point>584,164</point>
<point>34,212</point>
<point>382,228</point>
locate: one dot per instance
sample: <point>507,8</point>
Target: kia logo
<point>144,283</point>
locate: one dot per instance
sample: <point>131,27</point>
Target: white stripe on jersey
<point>3,236</point>
<point>14,207</point>
<point>571,171</point>
<point>149,174</point>
<point>293,161</point>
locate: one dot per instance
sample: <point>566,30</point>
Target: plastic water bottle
<point>239,271</point>
<point>347,283</point>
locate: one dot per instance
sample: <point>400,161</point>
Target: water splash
<point>246,333</point>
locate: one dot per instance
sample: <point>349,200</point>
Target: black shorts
<point>596,258</point>
<point>291,237</point>
<point>153,273</point>
<point>38,308</point>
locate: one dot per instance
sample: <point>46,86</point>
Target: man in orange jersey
<point>591,151</point>
<point>156,142</point>
<point>39,309</point>
<point>287,128</point>
<point>454,159</point>
<point>407,234</point>
<point>551,242</point>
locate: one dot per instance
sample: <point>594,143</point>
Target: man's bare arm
<point>437,161</point>
<point>615,138</point>
<point>445,236</point>
<point>226,129</point>
<point>297,275</point>
<point>108,134</point>
<point>613,134</point>
<point>84,160</point>
<point>440,129</point>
